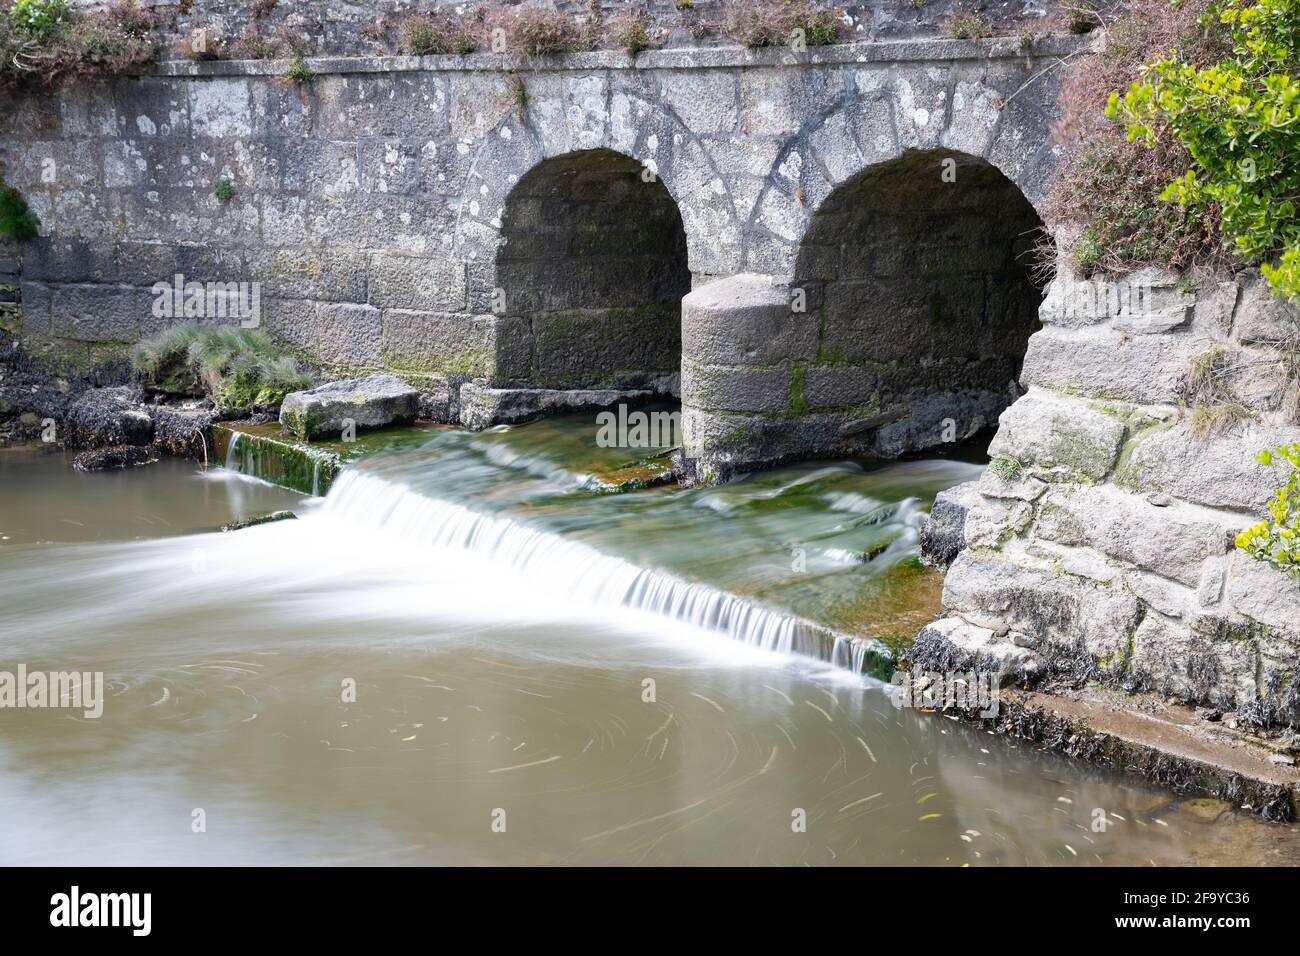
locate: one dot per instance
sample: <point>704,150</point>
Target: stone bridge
<point>855,222</point>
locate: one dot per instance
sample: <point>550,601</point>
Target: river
<point>470,652</point>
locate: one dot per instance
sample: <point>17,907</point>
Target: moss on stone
<point>798,404</point>
<point>1007,468</point>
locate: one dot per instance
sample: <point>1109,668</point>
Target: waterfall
<point>232,455</point>
<point>280,461</point>
<point>580,572</point>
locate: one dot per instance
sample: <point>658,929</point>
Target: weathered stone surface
<point>1018,485</point>
<point>1173,541</point>
<point>1264,594</point>
<point>992,592</point>
<point>371,402</point>
<point>991,522</point>
<point>1107,364</point>
<point>1261,317</point>
<point>1059,435</point>
<point>943,534</point>
<point>1221,473</point>
<point>109,416</point>
<point>482,407</point>
<point>1192,666</point>
<point>737,388</point>
<point>745,320</point>
<point>952,644</point>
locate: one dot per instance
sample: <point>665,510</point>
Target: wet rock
<point>942,535</point>
<point>183,432</point>
<point>1053,609</point>
<point>371,402</point>
<point>113,457</point>
<point>953,644</point>
<point>259,519</point>
<point>109,416</point>
<point>481,406</point>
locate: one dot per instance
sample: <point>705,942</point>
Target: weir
<point>584,574</point>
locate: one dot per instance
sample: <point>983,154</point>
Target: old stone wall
<point>1104,525</point>
<point>382,207</point>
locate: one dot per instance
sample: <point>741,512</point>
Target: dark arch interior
<point>594,264</point>
<point>920,269</point>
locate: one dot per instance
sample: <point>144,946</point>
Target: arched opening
<point>594,259</point>
<point>920,271</point>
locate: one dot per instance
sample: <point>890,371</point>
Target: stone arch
<point>884,114</point>
<point>567,114</point>
<point>920,272</point>
<point>901,326</point>
<point>591,269</point>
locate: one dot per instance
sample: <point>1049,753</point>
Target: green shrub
<point>39,18</point>
<point>64,43</point>
<point>17,222</point>
<point>1239,120</point>
<point>223,191</point>
<point>1277,540</point>
<point>237,367</point>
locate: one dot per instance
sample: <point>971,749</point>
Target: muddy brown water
<point>507,707</point>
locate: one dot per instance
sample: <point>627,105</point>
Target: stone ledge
<point>1156,741</point>
<point>886,51</point>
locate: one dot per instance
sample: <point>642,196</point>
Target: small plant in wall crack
<point>223,191</point>
<point>297,71</point>
<point>17,221</point>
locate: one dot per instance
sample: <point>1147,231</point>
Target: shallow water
<point>508,708</point>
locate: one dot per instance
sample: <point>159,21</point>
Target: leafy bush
<point>238,367</point>
<point>17,222</point>
<point>1239,120</point>
<point>1110,185</point>
<point>70,44</point>
<point>38,18</point>
<point>760,23</point>
<point>1277,540</point>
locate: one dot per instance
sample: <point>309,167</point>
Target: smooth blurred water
<point>495,688</point>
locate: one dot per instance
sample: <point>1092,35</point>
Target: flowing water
<point>471,651</point>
